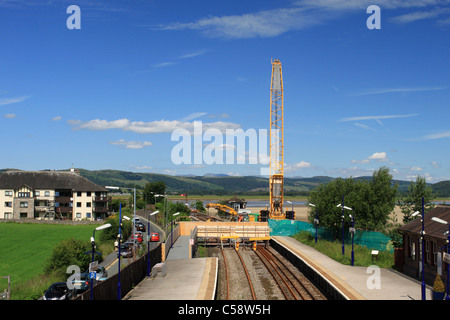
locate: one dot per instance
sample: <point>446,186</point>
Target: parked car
<point>57,291</point>
<point>81,282</point>
<point>101,274</point>
<point>126,249</point>
<point>138,237</point>
<point>140,227</point>
<point>154,237</point>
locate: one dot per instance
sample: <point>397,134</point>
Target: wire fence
<point>370,239</point>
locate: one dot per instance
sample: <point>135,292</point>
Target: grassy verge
<point>363,256</point>
<point>24,250</point>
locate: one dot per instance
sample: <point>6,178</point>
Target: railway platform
<point>196,279</point>
<point>357,283</point>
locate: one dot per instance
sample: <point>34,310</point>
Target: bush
<point>112,232</point>
<point>438,285</point>
<point>66,253</point>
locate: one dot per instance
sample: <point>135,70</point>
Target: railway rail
<point>292,287</point>
<point>229,272</point>
<point>199,216</point>
<point>292,284</point>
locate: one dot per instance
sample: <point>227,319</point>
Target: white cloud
<point>363,126</point>
<point>10,116</point>
<point>6,101</point>
<point>135,167</point>
<point>193,116</point>
<point>441,135</point>
<point>266,23</point>
<point>159,126</point>
<point>300,15</point>
<point>163,64</point>
<point>193,54</point>
<point>395,90</point>
<point>57,118</point>
<point>364,161</point>
<point>435,164</point>
<point>378,156</point>
<point>131,144</point>
<point>419,15</point>
<point>416,169</point>
<point>296,166</point>
<point>377,118</point>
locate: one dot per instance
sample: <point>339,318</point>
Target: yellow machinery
<point>276,174</point>
<point>222,207</point>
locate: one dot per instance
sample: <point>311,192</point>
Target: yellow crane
<point>276,174</point>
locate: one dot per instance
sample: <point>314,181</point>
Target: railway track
<point>204,217</point>
<point>237,284</point>
<point>292,287</point>
<point>287,280</point>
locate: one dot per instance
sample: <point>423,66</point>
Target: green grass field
<point>25,248</point>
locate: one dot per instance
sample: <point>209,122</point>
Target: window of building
<point>47,193</point>
<point>88,193</point>
<point>36,193</point>
<point>88,204</point>
<point>8,215</point>
<point>412,249</point>
<point>78,204</point>
<point>23,204</point>
<point>78,215</point>
<point>79,194</point>
<point>434,248</point>
<point>8,193</point>
<point>427,251</point>
<point>8,204</point>
<point>23,194</point>
<point>88,215</point>
<point>23,215</point>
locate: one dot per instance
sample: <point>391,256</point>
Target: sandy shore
<point>301,212</point>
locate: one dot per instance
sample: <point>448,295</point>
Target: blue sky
<point>109,95</point>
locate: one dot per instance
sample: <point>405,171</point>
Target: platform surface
<point>358,283</point>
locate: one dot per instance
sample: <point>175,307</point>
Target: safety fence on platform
<point>370,239</point>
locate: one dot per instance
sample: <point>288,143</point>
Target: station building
<point>51,195</point>
<point>435,245</point>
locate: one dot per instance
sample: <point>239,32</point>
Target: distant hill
<point>222,184</point>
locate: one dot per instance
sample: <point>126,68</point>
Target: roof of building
<point>235,199</point>
<point>47,180</point>
<point>432,228</point>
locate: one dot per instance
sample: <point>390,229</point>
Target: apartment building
<point>51,194</point>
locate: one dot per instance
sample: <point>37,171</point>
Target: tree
<point>326,197</point>
<point>413,200</point>
<point>66,253</point>
<point>198,204</point>
<point>152,188</point>
<point>381,199</point>
<point>371,202</point>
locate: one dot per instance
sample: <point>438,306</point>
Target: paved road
<point>110,261</point>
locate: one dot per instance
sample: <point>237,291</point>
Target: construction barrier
<point>370,239</point>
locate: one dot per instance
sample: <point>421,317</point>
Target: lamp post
<point>134,210</point>
<point>119,288</point>
<point>148,242</point>
<point>343,236</point>
<point>352,232</point>
<point>448,252</point>
<point>316,220</point>
<point>422,238</point>
<point>93,250</point>
<point>171,229</point>
<point>290,202</point>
